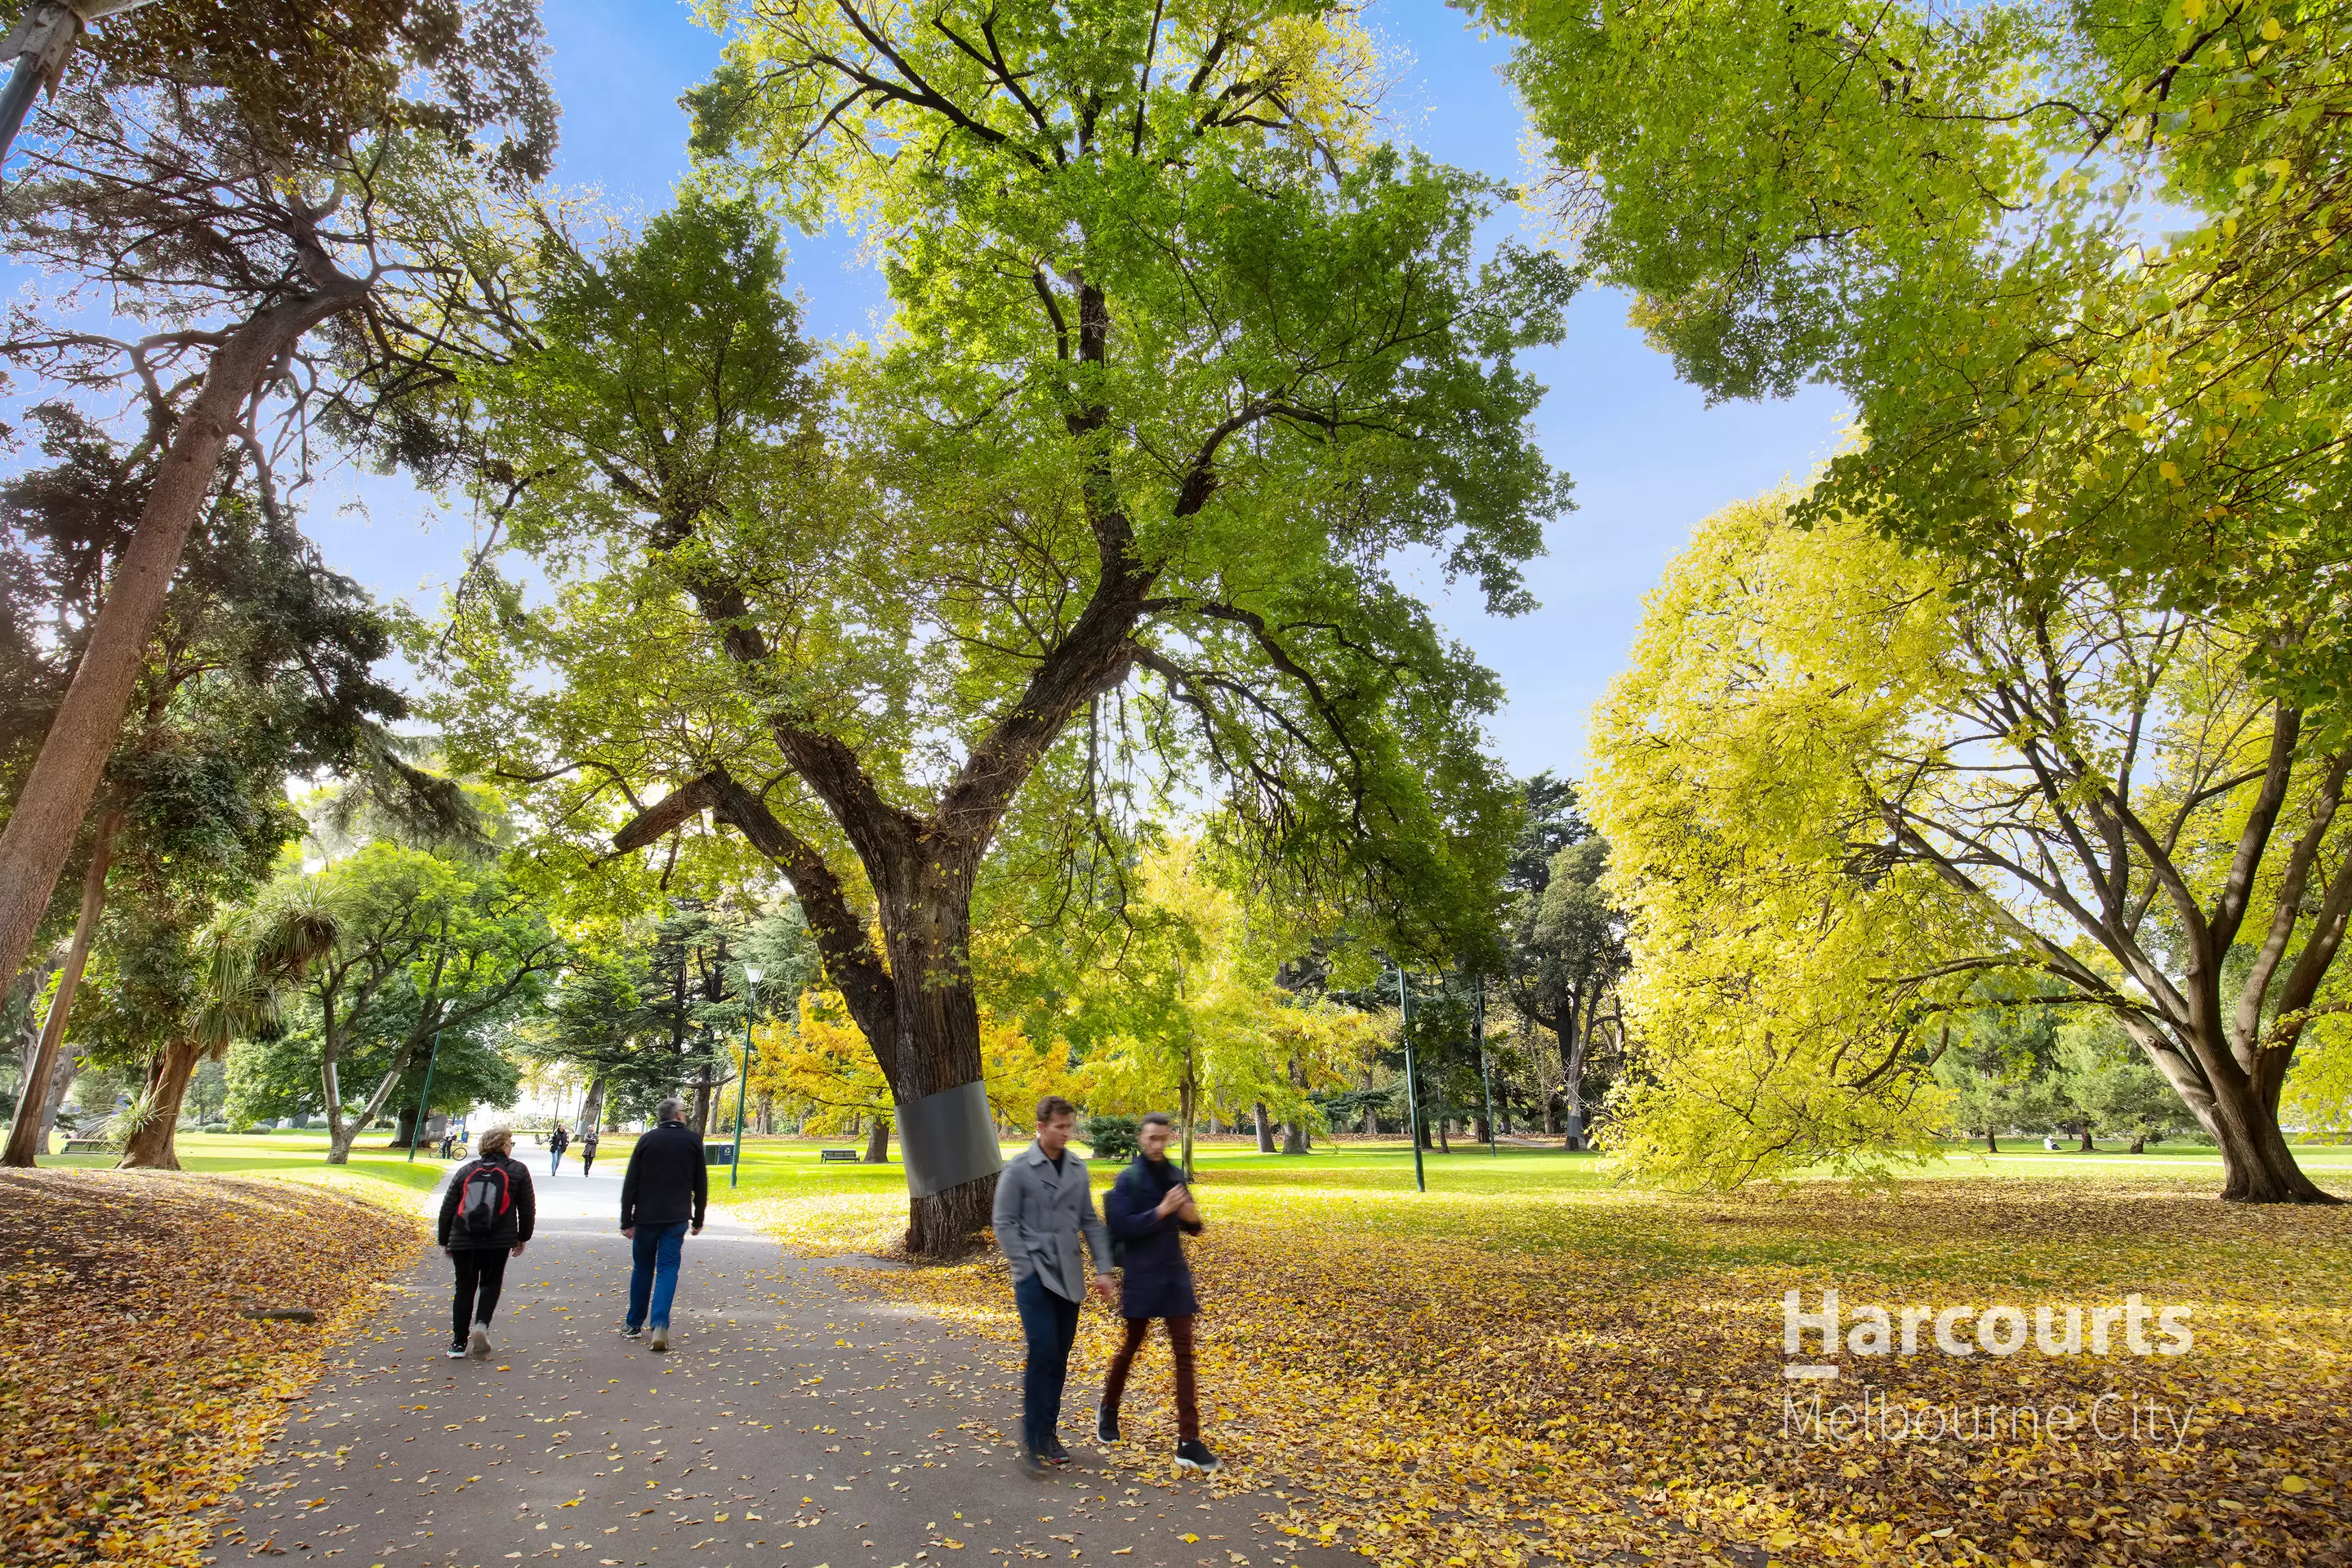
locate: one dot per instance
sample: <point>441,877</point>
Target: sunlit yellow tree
<point>1181,1010</point>
<point>1846,782</point>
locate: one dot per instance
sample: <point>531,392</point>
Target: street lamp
<point>1485,1077</point>
<point>750,1000</point>
<point>424,1100</point>
<point>1412,1088</point>
<point>40,43</point>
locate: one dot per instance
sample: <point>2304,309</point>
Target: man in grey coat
<point>1043,1205</point>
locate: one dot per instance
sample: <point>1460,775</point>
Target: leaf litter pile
<point>133,1393</point>
<point>1532,1373</point>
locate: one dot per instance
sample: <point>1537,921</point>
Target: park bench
<point>89,1146</point>
<point>830,1156</point>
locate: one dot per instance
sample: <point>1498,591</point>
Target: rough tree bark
<point>28,1135</point>
<point>57,795</point>
<point>878,1141</point>
<point>1264,1128</point>
<point>155,1145</point>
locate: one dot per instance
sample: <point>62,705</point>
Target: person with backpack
<point>486,1217</point>
<point>588,1149</point>
<point>1149,1211</point>
<point>558,1142</point>
<point>665,1192</point>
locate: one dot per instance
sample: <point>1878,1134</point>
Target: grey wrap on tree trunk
<point>948,1139</point>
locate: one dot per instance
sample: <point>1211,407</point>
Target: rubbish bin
<point>714,1153</point>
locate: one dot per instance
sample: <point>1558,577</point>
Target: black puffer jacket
<point>513,1227</point>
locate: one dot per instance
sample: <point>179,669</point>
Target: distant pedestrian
<point>1043,1207</point>
<point>558,1142</point>
<point>665,1190</point>
<point>486,1218</point>
<point>588,1150</point>
<point>448,1140</point>
<point>1151,1210</point>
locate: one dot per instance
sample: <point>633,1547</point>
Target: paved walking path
<point>790,1426</point>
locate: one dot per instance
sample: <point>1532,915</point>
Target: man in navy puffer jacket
<point>1150,1211</point>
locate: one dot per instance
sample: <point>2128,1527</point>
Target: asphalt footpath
<point>789,1426</point>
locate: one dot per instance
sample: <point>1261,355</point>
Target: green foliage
<point>2060,257</point>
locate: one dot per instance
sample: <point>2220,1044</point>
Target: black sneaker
<point>1195,1455</point>
<point>1034,1467</point>
<point>1055,1454</point>
<point>456,1351</point>
<point>1106,1423</point>
<point>636,1332</point>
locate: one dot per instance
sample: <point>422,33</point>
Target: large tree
<point>1564,946</point>
<point>423,944</point>
<point>1849,786</point>
<point>226,180</point>
<point>1180,362</point>
<point>261,666</point>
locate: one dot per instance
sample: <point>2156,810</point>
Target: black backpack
<point>486,1199</point>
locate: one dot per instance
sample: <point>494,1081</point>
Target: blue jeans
<point>1049,1322</point>
<point>551,1164</point>
<point>655,1274</point>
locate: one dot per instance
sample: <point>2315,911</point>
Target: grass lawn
<point>1529,1362</point>
<point>376,1173</point>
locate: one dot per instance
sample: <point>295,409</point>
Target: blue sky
<point>1649,459</point>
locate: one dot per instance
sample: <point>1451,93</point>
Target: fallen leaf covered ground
<point>133,1393</point>
<point>1521,1374</point>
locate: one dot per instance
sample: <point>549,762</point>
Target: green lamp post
<point>1411,1084</point>
<point>750,999</point>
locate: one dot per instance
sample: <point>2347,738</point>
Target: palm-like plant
<point>251,957</point>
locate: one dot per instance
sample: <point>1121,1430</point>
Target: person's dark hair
<point>1054,1107</point>
<point>1159,1119</point>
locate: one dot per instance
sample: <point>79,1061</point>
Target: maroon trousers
<point>1179,1341</point>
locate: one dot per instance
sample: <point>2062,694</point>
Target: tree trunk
<point>342,1131</point>
<point>1551,1118</point>
<point>878,1141</point>
<point>28,1135</point>
<point>60,1085</point>
<point>1264,1130</point>
<point>56,794</point>
<point>935,1045</point>
<point>592,1110</point>
<point>2088,1147</point>
<point>1992,1144</point>
<point>155,1145</point>
<point>1445,1145</point>
<point>2140,1144</point>
<point>1478,1133</point>
<point>1293,1137</point>
<point>1186,1093</point>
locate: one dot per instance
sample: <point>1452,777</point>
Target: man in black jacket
<point>665,1190</point>
<point>486,1217</point>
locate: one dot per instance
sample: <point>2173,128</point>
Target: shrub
<point>1111,1137</point>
